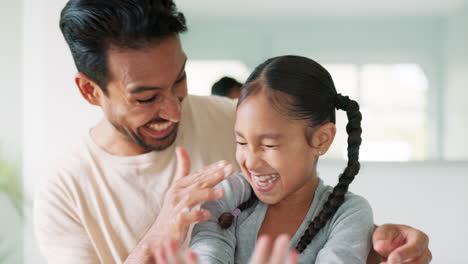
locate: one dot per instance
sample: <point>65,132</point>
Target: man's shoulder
<point>212,104</point>
<point>70,168</point>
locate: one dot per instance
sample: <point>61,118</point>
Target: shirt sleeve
<point>350,234</point>
<point>211,243</point>
<point>60,235</point>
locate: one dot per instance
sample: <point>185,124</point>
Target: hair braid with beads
<point>337,196</point>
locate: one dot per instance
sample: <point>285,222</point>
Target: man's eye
<point>270,146</point>
<point>145,101</point>
<point>242,144</point>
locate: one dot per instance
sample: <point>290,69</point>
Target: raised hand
<point>401,244</point>
<point>182,200</point>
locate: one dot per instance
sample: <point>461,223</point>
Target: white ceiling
<point>316,8</point>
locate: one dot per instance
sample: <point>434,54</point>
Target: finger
<point>424,259</point>
<point>261,251</point>
<point>212,179</point>
<point>160,255</point>
<point>191,257</point>
<point>416,244</point>
<point>293,257</point>
<point>173,252</point>
<point>387,238</point>
<point>193,216</point>
<point>183,163</point>
<point>280,250</point>
<point>200,196</point>
<point>221,169</point>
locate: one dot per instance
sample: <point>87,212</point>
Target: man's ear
<point>323,137</point>
<point>90,91</point>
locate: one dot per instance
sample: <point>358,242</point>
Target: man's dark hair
<point>90,27</point>
<point>224,86</point>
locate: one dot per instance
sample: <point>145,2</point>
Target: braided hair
<point>304,90</point>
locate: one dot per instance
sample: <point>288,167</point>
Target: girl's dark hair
<point>304,90</point>
<point>91,26</point>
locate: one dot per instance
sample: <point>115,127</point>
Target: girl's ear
<point>323,137</point>
<point>88,89</point>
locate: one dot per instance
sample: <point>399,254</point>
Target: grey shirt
<point>346,238</point>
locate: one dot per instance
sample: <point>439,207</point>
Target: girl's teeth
<point>265,180</point>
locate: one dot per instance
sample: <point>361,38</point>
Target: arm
<point>63,239</point>
<point>211,243</point>
<point>350,234</point>
<point>176,216</point>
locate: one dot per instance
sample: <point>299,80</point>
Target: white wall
<point>431,196</point>
<point>456,86</point>
<point>10,75</point>
<point>10,123</point>
<point>55,116</point>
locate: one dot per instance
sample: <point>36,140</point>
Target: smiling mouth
<point>159,130</point>
<point>264,182</point>
<point>159,126</point>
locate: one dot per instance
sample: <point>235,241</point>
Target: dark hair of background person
<point>90,27</point>
<point>304,90</point>
<point>226,86</point>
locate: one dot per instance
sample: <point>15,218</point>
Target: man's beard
<point>138,139</point>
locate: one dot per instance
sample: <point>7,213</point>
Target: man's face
<point>145,92</point>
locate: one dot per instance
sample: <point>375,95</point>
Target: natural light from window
<point>202,74</point>
<point>393,100</point>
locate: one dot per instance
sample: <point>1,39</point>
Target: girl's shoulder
<point>355,208</point>
<point>236,190</point>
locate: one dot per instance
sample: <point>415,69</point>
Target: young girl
<point>285,122</point>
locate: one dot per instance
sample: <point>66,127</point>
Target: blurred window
<point>202,74</point>
<point>393,100</point>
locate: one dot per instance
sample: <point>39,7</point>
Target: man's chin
<point>160,144</point>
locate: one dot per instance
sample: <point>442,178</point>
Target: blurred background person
<point>228,87</point>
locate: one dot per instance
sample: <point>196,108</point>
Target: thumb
<point>183,163</point>
<point>386,239</point>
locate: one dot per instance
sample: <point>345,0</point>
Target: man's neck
<point>112,141</point>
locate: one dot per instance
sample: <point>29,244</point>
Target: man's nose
<point>170,108</point>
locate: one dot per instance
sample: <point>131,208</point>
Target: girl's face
<point>273,151</point>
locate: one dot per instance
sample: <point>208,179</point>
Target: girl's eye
<point>145,101</point>
<point>242,144</point>
<point>270,146</point>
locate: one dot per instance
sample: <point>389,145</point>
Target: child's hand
<point>280,253</point>
<point>170,253</point>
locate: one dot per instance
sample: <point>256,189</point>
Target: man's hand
<point>170,253</point>
<point>181,205</point>
<point>401,244</point>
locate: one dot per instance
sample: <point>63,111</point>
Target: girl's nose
<point>253,161</point>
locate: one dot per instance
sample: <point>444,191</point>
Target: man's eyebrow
<point>144,88</point>
<point>140,89</point>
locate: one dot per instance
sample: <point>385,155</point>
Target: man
<point>228,87</point>
<point>122,192</point>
